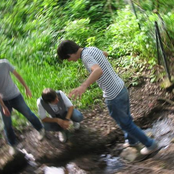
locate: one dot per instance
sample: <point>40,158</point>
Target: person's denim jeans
<point>119,110</point>
<point>76,117</point>
<point>19,104</point>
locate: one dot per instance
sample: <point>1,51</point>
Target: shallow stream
<point>162,130</point>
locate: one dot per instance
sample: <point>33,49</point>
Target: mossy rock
<point>167,84</point>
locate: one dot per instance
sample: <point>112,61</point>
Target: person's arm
<point>62,123</point>
<point>69,113</point>
<point>52,120</point>
<point>66,123</point>
<point>18,76</point>
<point>94,76</point>
<point>4,108</point>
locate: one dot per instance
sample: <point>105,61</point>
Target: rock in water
<point>129,154</point>
<point>11,160</point>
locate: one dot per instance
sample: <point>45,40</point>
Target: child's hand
<point>6,111</point>
<point>65,124</point>
<point>71,126</point>
<point>28,92</point>
<point>77,92</point>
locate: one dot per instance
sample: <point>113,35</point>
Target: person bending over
<point>114,90</point>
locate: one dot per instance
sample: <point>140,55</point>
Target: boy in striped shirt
<point>114,91</point>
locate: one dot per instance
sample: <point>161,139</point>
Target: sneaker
<point>41,134</point>
<point>62,137</point>
<point>12,150</point>
<point>148,150</point>
<point>76,125</point>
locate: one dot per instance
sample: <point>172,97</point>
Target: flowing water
<point>106,165</point>
<point>162,131</point>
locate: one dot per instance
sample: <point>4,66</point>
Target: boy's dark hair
<point>49,95</point>
<point>67,47</point>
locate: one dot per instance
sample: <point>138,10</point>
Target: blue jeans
<point>19,104</point>
<point>76,117</point>
<point>119,110</point>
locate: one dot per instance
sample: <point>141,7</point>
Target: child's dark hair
<point>49,95</point>
<point>67,47</point>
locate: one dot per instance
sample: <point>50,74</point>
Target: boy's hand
<point>64,124</point>
<point>6,111</point>
<point>77,92</point>
<point>28,92</point>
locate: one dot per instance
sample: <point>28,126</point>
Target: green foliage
<point>161,11</point>
<point>125,38</point>
<point>169,21</point>
<point>162,6</point>
<point>77,30</point>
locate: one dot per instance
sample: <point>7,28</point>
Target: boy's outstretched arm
<point>95,75</point>
<point>18,76</point>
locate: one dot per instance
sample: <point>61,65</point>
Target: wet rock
<point>74,169</point>
<point>69,168</point>
<point>129,154</point>
<point>11,160</point>
<point>166,84</point>
<point>54,170</point>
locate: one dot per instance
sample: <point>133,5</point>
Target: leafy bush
<point>78,31</point>
<point>125,38</point>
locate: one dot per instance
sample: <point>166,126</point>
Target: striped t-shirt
<point>110,83</point>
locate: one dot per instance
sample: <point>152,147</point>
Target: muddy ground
<point>99,137</point>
